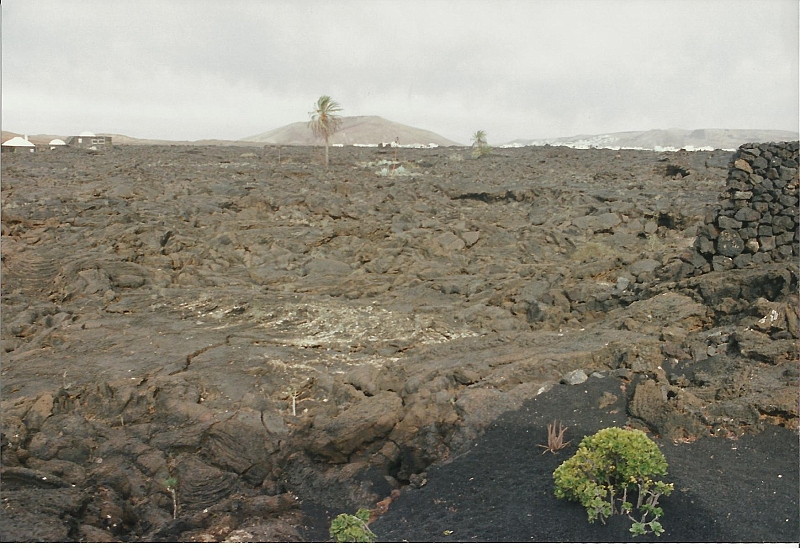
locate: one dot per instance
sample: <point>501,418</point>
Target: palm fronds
<point>479,139</point>
<point>324,120</point>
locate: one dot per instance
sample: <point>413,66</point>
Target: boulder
<point>200,485</point>
<point>729,243</point>
<point>649,404</point>
<point>643,269</point>
<point>41,515</point>
<point>365,421</point>
<point>241,445</point>
<point>577,376</point>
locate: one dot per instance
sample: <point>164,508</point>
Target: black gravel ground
<point>501,490</point>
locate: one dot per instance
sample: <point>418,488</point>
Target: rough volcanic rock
<point>756,217</point>
<point>243,331</point>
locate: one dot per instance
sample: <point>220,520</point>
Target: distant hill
<point>117,139</point>
<point>125,140</point>
<point>35,139</point>
<point>374,129</point>
<point>353,130</point>
<point>667,139</point>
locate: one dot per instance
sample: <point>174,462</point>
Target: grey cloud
<point>206,69</point>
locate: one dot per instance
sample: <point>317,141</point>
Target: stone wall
<point>756,221</point>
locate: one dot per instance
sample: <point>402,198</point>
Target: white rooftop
<point>57,142</point>
<point>18,142</point>
<point>87,134</point>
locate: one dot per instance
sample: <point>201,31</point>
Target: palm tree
<point>479,139</point>
<point>479,145</point>
<point>324,121</point>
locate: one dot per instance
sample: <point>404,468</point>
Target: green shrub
<point>480,147</point>
<point>606,466</point>
<point>481,150</point>
<point>350,528</point>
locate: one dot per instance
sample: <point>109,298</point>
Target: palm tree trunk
<point>326,151</point>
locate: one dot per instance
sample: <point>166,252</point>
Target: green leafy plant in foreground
<point>350,528</point>
<point>610,466</point>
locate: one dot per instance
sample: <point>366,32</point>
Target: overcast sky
<point>195,69</point>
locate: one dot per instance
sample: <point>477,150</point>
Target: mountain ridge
<point>42,139</point>
<point>665,139</point>
<point>362,130</point>
<point>353,130</point>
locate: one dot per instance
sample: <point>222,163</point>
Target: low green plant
<point>171,485</point>
<point>610,466</point>
<point>386,172</point>
<point>594,251</point>
<point>352,528</point>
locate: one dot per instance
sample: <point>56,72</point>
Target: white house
<point>18,143</point>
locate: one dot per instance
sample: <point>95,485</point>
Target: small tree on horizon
<point>324,120</point>
<point>479,139</point>
<point>479,144</point>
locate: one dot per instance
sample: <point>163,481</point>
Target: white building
<point>18,143</point>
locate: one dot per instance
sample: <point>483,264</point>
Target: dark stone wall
<point>756,221</point>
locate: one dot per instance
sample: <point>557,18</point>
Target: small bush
<point>350,528</point>
<point>480,147</point>
<point>595,251</point>
<point>606,466</point>
<point>481,150</point>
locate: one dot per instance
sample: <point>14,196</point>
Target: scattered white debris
<point>771,317</point>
